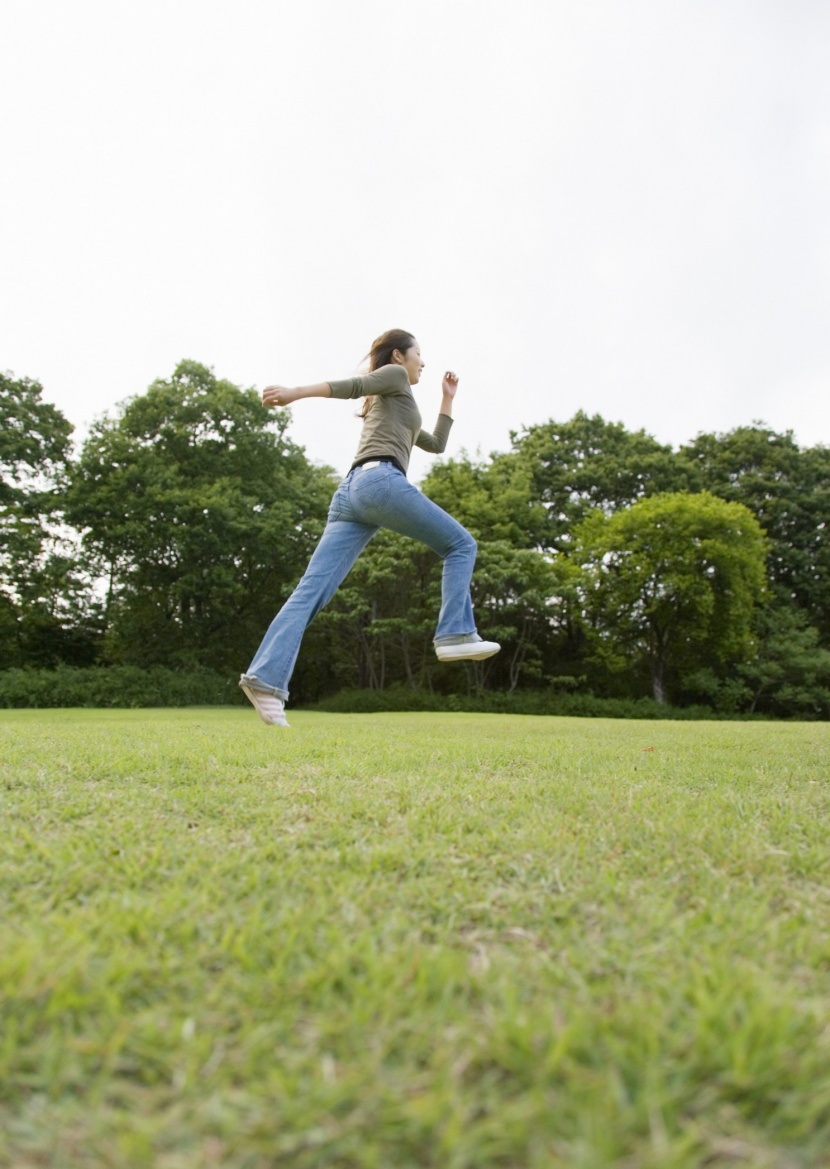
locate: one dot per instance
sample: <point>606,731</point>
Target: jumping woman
<point>375,494</point>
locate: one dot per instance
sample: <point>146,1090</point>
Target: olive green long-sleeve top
<point>393,425</point>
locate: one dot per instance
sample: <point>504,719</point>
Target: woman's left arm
<point>284,395</point>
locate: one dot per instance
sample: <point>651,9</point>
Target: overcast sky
<point>619,206</point>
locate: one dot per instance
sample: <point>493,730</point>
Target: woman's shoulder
<point>393,376</point>
<point>388,381</point>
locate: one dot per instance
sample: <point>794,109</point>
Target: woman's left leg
<point>274,661</point>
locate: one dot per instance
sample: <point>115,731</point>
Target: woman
<point>375,494</point>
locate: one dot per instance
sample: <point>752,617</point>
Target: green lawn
<point>412,940</point>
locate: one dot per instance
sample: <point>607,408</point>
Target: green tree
<point>671,581</point>
<point>789,672</point>
<point>788,491</point>
<point>574,467</point>
<point>200,514</point>
<point>34,440</point>
<point>536,494</point>
<point>517,594</point>
<point>493,500</point>
<point>42,593</point>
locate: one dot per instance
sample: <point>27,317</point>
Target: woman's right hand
<point>278,396</point>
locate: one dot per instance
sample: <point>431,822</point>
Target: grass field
<point>398,941</point>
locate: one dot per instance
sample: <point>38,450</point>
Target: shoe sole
<point>269,722</point>
<point>491,653</point>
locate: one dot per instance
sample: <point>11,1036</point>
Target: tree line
<point>609,563</point>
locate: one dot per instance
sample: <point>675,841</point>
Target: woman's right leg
<point>273,663</point>
<point>386,497</point>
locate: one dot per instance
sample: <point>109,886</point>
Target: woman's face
<point>411,361</point>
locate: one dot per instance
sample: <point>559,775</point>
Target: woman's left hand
<point>278,396</point>
<point>450,384</point>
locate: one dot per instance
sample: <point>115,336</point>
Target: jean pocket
<point>371,488</point>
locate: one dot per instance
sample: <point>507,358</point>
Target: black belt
<point>378,459</point>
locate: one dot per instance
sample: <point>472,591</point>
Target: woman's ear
<point>397,357</point>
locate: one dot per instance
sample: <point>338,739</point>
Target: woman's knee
<point>464,544</point>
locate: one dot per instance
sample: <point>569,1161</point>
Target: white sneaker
<point>467,651</point>
<point>269,708</point>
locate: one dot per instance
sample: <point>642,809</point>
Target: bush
<point>397,697</point>
<point>130,686</point>
<point>401,698</point>
<point>116,686</point>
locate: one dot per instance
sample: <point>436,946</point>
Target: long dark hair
<point>381,354</point>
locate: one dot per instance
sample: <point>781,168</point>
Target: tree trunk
<point>518,659</point>
<point>407,662</point>
<point>657,684</point>
<point>110,596</point>
<point>367,676</point>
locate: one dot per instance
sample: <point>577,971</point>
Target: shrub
<point>116,686</point>
<point>401,698</point>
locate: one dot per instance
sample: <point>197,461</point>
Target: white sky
<point>621,206</point>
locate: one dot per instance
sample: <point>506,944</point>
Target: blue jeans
<point>369,498</point>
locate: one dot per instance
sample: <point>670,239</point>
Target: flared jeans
<point>374,496</point>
